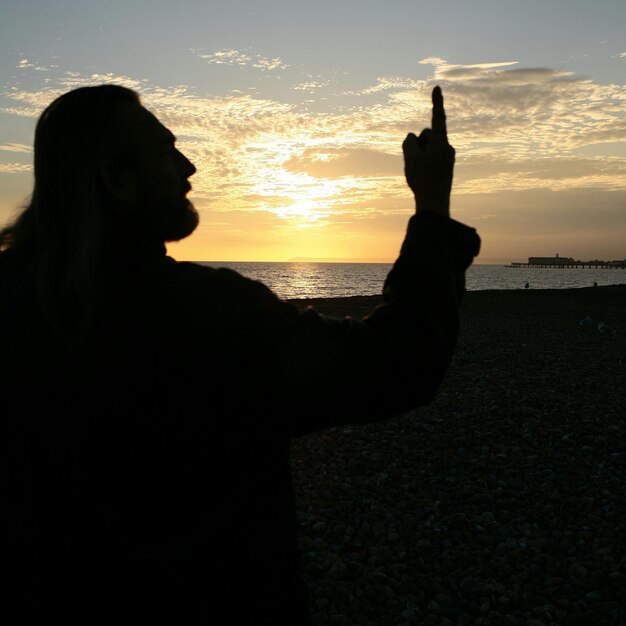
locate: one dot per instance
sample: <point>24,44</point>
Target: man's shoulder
<point>218,291</point>
<point>186,296</point>
<point>200,271</point>
<point>193,275</point>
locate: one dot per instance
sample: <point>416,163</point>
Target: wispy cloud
<point>33,101</point>
<point>15,147</point>
<point>386,84</point>
<point>275,63</point>
<point>15,168</point>
<point>26,64</point>
<point>226,57</point>
<point>241,58</point>
<point>311,86</point>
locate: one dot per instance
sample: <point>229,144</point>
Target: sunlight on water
<point>314,280</point>
<point>340,280</point>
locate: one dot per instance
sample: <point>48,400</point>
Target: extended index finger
<point>440,132</point>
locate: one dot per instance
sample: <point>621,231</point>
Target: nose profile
<point>188,167</point>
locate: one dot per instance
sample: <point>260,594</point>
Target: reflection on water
<point>339,280</point>
<point>315,280</point>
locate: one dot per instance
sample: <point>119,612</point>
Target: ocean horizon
<point>293,280</point>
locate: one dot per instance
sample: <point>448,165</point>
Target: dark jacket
<point>145,476</point>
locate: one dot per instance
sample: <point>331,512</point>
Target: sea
<point>297,280</point>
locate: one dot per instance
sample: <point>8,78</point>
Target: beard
<point>166,219</point>
<point>180,223</point>
<point>163,211</point>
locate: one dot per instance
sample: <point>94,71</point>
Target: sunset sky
<point>294,113</point>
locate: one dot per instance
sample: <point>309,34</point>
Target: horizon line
<point>486,261</point>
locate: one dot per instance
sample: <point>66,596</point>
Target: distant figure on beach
<point>527,285</point>
<point>148,404</point>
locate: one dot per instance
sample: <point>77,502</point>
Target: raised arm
<point>393,360</point>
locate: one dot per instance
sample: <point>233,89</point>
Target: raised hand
<point>429,162</point>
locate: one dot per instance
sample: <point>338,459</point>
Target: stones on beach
<point>606,329</point>
<point>577,572</point>
<point>508,508</point>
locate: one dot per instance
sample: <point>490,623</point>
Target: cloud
<point>15,168</point>
<point>443,64</point>
<point>489,174</point>
<point>523,111</point>
<point>342,162</point>
<point>515,129</point>
<point>33,101</point>
<point>26,64</point>
<point>15,147</point>
<point>236,57</point>
<point>310,86</point>
<point>388,83</point>
<point>275,63</point>
<point>226,57</point>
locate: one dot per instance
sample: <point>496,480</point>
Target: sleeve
<point>338,371</point>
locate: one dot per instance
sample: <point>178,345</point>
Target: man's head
<point>106,171</point>
<point>102,158</point>
<point>149,182</point>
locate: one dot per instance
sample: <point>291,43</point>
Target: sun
<point>305,210</point>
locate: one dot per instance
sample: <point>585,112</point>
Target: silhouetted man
<point>148,404</point>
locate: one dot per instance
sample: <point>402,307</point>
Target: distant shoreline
<point>550,304</point>
<point>560,290</point>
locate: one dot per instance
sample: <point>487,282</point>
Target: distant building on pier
<point>568,262</point>
<point>551,260</point>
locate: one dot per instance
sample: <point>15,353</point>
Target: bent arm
<point>339,371</point>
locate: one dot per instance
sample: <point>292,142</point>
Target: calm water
<point>332,280</point>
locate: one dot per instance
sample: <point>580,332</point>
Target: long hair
<point>60,235</point>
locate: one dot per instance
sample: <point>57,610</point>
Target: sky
<point>294,113</point>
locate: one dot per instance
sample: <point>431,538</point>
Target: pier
<point>558,262</point>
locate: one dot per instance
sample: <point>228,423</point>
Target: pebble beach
<point>502,502</point>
